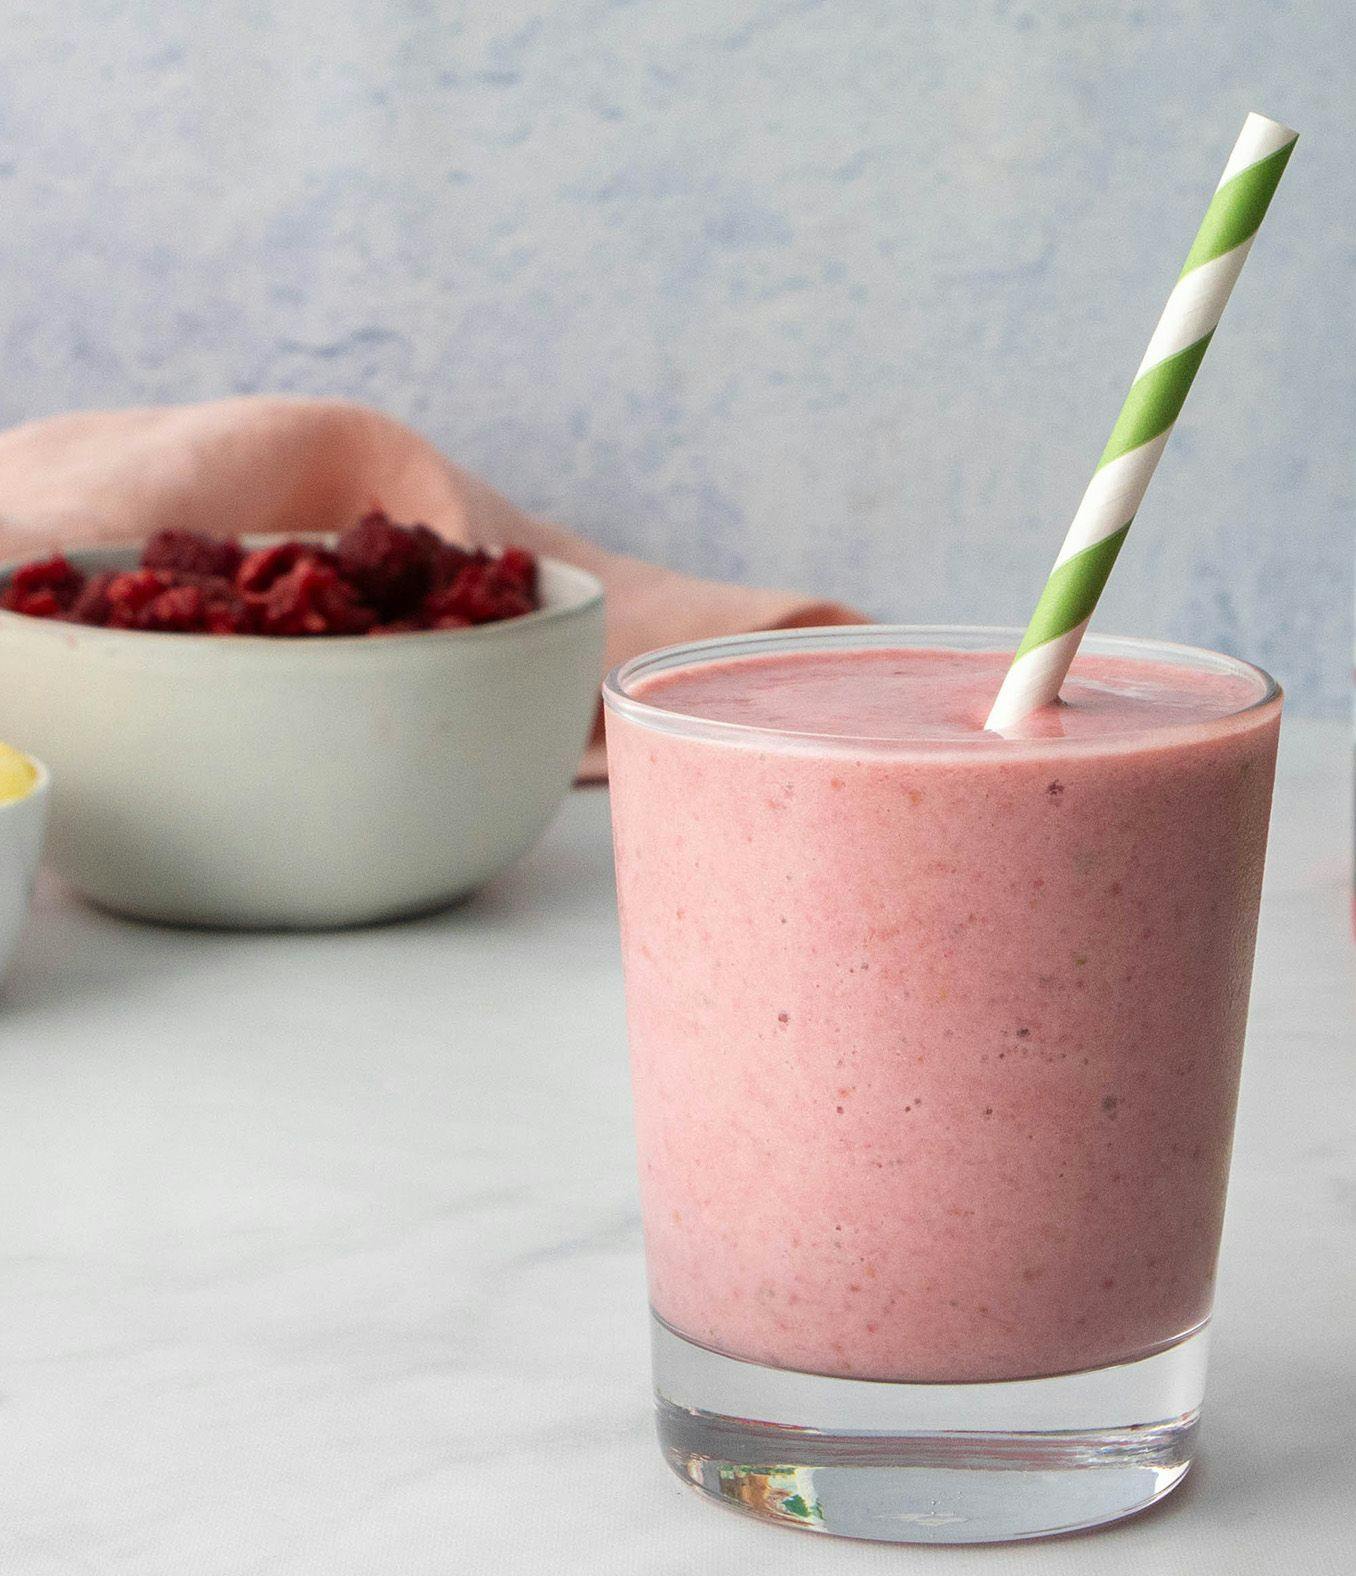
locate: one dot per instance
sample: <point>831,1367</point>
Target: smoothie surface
<point>912,694</point>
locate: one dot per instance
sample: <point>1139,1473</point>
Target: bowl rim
<point>586,594</point>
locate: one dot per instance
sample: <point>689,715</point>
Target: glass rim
<point>618,699</point>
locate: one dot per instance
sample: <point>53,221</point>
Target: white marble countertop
<point>319,1254</point>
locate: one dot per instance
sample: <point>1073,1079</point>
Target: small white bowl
<point>247,781</point>
<point>21,827</point>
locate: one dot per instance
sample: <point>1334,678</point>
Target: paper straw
<point>1137,440</point>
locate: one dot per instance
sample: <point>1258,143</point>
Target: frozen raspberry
<point>383,579</point>
<point>131,593</point>
<point>193,554</point>
<point>393,566</point>
<point>44,589</point>
<point>516,564</point>
<point>449,560</point>
<point>180,610</point>
<point>482,594</point>
<point>449,621</point>
<point>36,604</point>
<point>228,612</point>
<point>312,599</point>
<point>92,605</point>
<point>223,619</point>
<point>260,569</point>
<point>398,626</point>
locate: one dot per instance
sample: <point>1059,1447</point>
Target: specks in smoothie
<point>915,795</point>
<point>1032,1273</point>
<point>1108,1283</point>
<point>988,1110</point>
<point>1086,860</point>
<point>783,1018</point>
<point>1055,790</point>
<point>839,1109</point>
<point>1109,1103</point>
<point>1080,960</point>
<point>1023,1034</point>
<point>836,783</point>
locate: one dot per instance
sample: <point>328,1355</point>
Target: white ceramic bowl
<point>248,781</point>
<point>21,828</point>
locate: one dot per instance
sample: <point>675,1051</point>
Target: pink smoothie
<point>936,1035</point>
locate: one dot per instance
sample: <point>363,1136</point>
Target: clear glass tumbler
<point>935,1048</point>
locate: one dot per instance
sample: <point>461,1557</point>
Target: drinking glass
<point>935,1049</point>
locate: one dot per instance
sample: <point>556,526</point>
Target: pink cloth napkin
<point>268,464</point>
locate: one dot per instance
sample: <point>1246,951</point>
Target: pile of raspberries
<point>380,578</point>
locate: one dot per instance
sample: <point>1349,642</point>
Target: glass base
<point>929,1463</point>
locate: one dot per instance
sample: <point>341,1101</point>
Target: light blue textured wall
<point>837,294</point>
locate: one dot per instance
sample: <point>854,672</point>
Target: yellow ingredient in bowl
<point>17,774</point>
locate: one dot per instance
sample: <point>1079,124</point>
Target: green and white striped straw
<point>1137,440</point>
